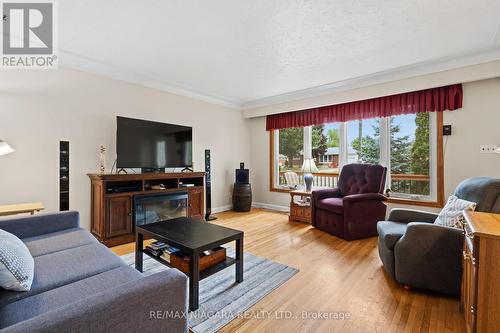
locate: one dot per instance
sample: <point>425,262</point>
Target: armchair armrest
<point>326,193</point>
<point>429,256</point>
<point>154,303</point>
<point>365,197</point>
<point>411,215</point>
<point>39,224</point>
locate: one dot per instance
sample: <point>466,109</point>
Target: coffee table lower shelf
<point>192,237</point>
<point>204,273</point>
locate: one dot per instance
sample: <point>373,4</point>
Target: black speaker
<point>63,175</point>
<point>208,188</point>
<point>242,175</point>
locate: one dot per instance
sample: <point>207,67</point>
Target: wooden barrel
<point>242,197</point>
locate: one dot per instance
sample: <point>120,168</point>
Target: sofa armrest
<point>39,224</point>
<point>429,256</point>
<point>365,197</point>
<point>326,193</point>
<point>411,215</point>
<point>154,303</point>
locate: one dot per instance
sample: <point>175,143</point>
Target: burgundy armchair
<point>352,210</point>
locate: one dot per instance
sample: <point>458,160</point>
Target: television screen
<point>149,144</point>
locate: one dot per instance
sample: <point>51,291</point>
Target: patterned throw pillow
<point>16,263</point>
<point>451,215</point>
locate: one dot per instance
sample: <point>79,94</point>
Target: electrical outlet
<point>487,149</point>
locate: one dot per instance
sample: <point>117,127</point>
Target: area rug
<point>221,298</point>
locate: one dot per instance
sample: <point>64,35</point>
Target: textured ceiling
<point>243,51</point>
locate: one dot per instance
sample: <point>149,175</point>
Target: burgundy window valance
<point>427,100</point>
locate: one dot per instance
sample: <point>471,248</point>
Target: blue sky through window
<point>406,123</point>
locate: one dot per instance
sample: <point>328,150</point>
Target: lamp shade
<point>5,148</point>
<point>309,166</point>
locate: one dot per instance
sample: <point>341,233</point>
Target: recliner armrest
<point>411,215</point>
<point>429,256</point>
<point>326,193</point>
<point>365,197</point>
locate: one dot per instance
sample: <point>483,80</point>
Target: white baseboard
<point>221,209</point>
<point>270,207</point>
<point>278,208</point>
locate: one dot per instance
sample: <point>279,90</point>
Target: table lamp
<point>308,168</point>
<point>5,148</point>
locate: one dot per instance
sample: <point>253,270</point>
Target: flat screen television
<point>152,145</point>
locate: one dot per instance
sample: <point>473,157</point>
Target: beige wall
<point>478,122</point>
<point>39,108</point>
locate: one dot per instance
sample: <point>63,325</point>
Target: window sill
<point>410,202</point>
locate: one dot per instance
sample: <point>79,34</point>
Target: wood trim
<point>440,160</point>
<point>411,202</point>
<point>439,203</point>
<point>271,164</point>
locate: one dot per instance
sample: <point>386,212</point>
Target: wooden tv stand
<point>112,220</point>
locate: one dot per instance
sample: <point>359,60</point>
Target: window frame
<point>436,152</point>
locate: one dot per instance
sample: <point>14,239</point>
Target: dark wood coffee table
<point>192,237</point>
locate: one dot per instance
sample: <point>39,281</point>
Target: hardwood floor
<point>336,277</point>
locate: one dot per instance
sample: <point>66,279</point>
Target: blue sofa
<point>81,286</point>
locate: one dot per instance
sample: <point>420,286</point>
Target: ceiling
<point>244,53</point>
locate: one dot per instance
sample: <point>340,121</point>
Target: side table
<point>21,208</point>
<point>300,206</point>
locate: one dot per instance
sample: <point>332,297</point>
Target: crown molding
<point>76,61</point>
<point>86,64</point>
<point>405,72</point>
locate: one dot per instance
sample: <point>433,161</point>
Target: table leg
<point>194,281</point>
<point>138,251</point>
<point>239,260</point>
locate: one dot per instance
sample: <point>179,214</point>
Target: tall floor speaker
<point>63,175</point>
<point>208,188</point>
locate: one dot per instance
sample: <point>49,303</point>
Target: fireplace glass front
<point>150,208</point>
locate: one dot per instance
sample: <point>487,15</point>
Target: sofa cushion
<point>334,205</point>
<point>52,299</point>
<point>16,263</point>
<point>60,268</point>
<point>58,241</point>
<point>390,232</point>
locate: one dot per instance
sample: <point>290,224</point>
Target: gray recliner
<point>420,254</point>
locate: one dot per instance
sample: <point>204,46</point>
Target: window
<point>410,155</point>
<point>290,157</point>
<point>326,147</point>
<point>363,141</point>
<point>408,145</point>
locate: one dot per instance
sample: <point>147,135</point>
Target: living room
<point>345,125</point>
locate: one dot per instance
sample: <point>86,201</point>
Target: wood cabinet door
<point>118,216</point>
<point>195,204</point>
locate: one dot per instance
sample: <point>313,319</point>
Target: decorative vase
<point>308,180</point>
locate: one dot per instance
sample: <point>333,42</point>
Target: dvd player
<point>122,189</point>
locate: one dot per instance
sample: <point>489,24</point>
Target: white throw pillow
<point>451,215</point>
<point>16,263</point>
